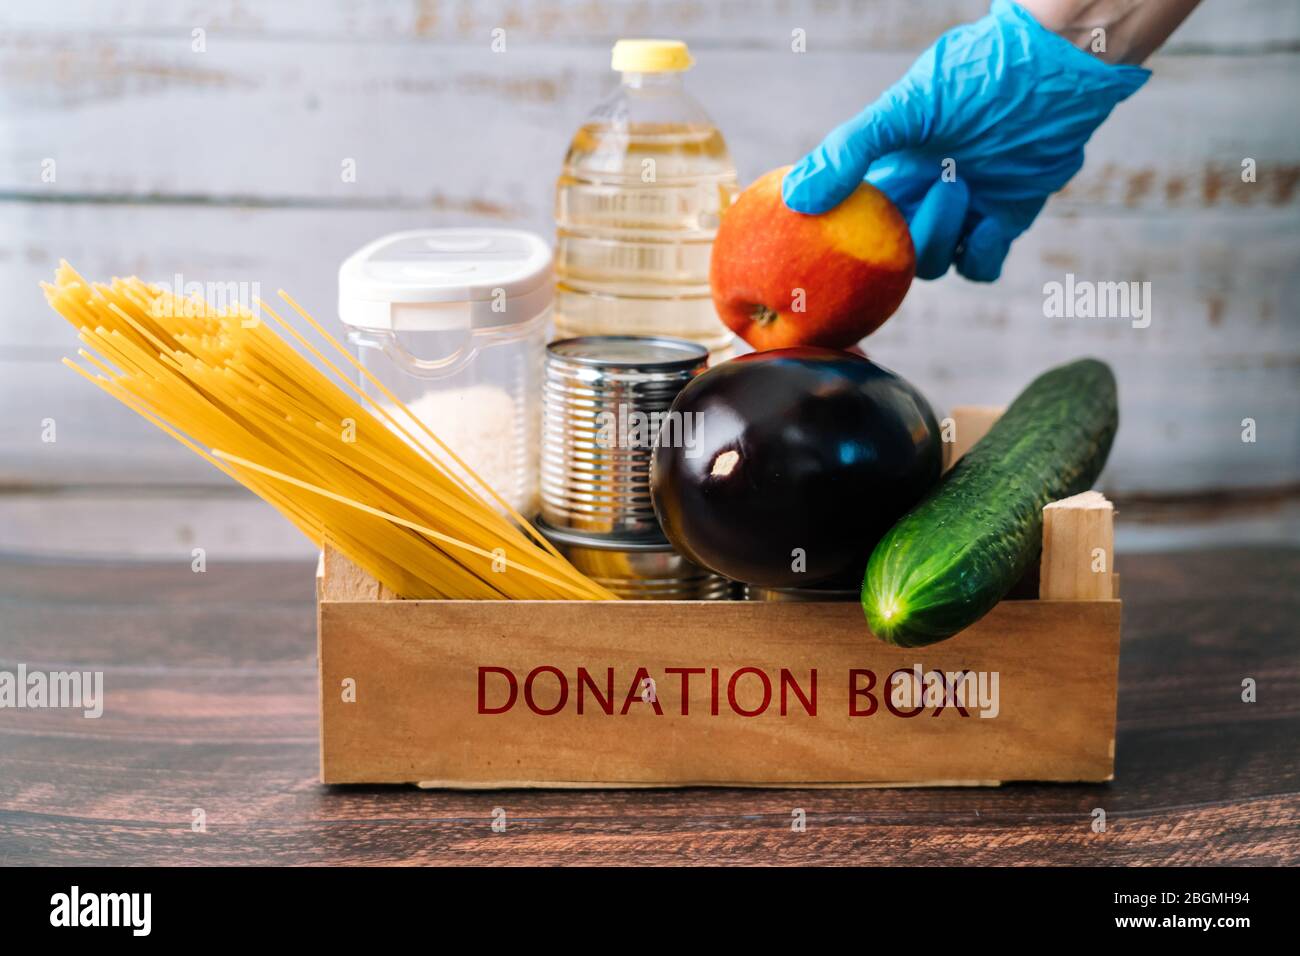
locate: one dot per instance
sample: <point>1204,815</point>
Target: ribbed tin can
<point>604,398</point>
<point>637,570</point>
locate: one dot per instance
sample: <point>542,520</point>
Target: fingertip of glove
<point>799,191</point>
<point>984,252</point>
<point>980,276</point>
<point>980,268</point>
<point>932,267</point>
<point>936,227</point>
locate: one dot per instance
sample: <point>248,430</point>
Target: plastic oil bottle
<point>644,184</point>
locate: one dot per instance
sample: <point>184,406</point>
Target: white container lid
<point>446,279</point>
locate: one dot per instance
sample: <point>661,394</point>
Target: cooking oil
<point>638,202</point>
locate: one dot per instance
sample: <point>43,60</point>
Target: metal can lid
<point>630,352</point>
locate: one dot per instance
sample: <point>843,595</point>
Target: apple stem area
<point>764,315</point>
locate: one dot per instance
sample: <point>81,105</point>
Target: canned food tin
<point>605,398</point>
<point>637,570</point>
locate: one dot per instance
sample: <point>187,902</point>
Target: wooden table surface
<point>210,687</point>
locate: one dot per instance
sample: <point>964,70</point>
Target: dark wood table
<point>210,686</point>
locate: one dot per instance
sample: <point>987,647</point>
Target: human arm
<point>984,127</point>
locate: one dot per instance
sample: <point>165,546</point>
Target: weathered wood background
<point>225,165</point>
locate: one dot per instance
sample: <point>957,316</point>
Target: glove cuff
<point>1120,80</point>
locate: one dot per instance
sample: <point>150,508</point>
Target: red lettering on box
<point>482,689</point>
<point>855,692</point>
<point>809,702</point>
<point>528,690</point>
<point>607,701</point>
<point>686,673</point>
<point>731,691</point>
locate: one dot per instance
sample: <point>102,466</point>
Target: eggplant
<point>784,468</point>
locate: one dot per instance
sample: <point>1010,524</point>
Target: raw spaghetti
<point>228,387</point>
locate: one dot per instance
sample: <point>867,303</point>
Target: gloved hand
<point>987,124</point>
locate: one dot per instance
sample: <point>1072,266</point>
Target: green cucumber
<point>956,554</point>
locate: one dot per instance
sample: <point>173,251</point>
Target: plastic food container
<point>454,323</point>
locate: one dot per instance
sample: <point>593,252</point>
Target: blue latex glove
<point>1009,103</point>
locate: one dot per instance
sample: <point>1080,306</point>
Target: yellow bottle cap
<point>651,56</point>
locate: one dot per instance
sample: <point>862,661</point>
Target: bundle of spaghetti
<point>403,506</point>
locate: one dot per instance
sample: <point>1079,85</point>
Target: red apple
<point>781,278</point>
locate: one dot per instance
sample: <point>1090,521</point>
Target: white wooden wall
<point>225,165</point>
